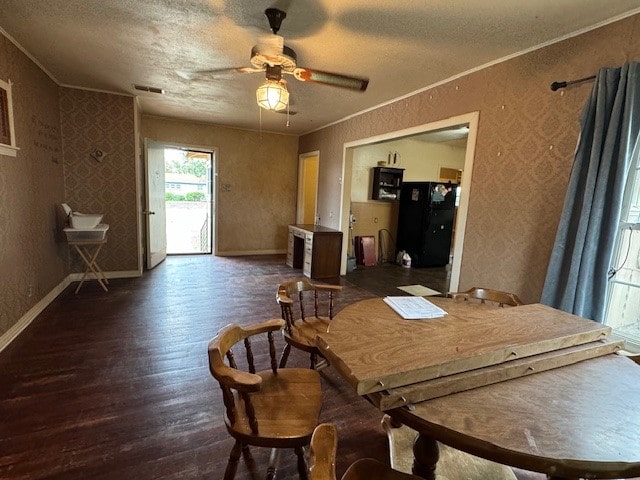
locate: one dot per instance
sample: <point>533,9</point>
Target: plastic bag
<point>406,260</point>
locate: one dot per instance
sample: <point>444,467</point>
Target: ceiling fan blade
<point>332,79</point>
<point>191,75</point>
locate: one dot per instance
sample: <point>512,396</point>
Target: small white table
<point>88,251</point>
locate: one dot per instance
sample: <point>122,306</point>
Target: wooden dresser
<point>316,250</point>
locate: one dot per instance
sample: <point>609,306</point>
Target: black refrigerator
<point>425,222</point>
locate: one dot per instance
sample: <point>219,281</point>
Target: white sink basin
<point>85,220</point>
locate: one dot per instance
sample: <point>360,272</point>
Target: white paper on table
<point>413,308</point>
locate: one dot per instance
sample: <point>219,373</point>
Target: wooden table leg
<point>425,456</point>
<point>425,449</point>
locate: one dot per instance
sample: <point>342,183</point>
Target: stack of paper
<point>414,307</point>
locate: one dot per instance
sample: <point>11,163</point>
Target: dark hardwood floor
<point>382,280</point>
<point>116,385</point>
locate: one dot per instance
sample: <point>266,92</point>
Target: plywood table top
<point>375,349</point>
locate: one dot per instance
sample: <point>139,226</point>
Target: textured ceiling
<point>400,46</point>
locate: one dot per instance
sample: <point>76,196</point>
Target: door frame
<point>214,184</point>
<point>301,184</point>
<point>470,119</point>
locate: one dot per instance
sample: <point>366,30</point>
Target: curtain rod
<point>558,85</point>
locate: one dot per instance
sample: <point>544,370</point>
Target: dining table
<point>530,387</point>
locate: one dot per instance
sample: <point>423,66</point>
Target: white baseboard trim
<point>241,253</point>
<point>17,328</point>
<point>76,277</point>
<point>33,312</point>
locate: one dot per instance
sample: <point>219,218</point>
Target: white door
<point>155,209</point>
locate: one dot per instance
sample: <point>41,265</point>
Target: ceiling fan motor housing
<point>265,54</point>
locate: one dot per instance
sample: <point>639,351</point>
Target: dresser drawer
<point>306,268</point>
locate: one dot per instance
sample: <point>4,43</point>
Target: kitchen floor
<point>384,279</point>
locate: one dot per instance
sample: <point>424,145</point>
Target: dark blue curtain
<point>576,279</point>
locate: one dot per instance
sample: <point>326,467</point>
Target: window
<point>7,133</point>
<point>623,309</point>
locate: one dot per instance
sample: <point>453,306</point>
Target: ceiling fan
<point>274,58</point>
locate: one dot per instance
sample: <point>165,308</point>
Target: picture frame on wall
<point>7,130</point>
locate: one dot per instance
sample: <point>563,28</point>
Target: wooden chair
<point>323,460</point>
<point>303,296</point>
<point>274,408</point>
<point>631,355</point>
<point>484,295</point>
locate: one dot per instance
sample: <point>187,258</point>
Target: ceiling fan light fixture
<point>273,95</point>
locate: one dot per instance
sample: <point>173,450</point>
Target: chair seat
<point>370,469</point>
<point>298,390</point>
<point>304,332</point>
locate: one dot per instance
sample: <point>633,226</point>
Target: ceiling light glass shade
<point>273,95</point>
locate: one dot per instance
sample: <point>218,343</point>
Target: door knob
<point>147,212</point>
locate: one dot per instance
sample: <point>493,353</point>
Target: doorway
<point>351,174</point>
<point>180,200</point>
<point>189,200</point>
<point>308,165</point>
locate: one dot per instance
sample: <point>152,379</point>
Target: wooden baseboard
<point>240,253</point>
<point>33,312</point>
<point>76,277</point>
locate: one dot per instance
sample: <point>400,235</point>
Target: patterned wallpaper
<point>524,151</point>
<point>31,185</point>
<point>89,121</point>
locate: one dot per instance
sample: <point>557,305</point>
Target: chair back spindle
<point>272,353</point>
<point>301,303</point>
<point>229,404</point>
<point>247,347</point>
<point>231,359</point>
<point>251,412</point>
